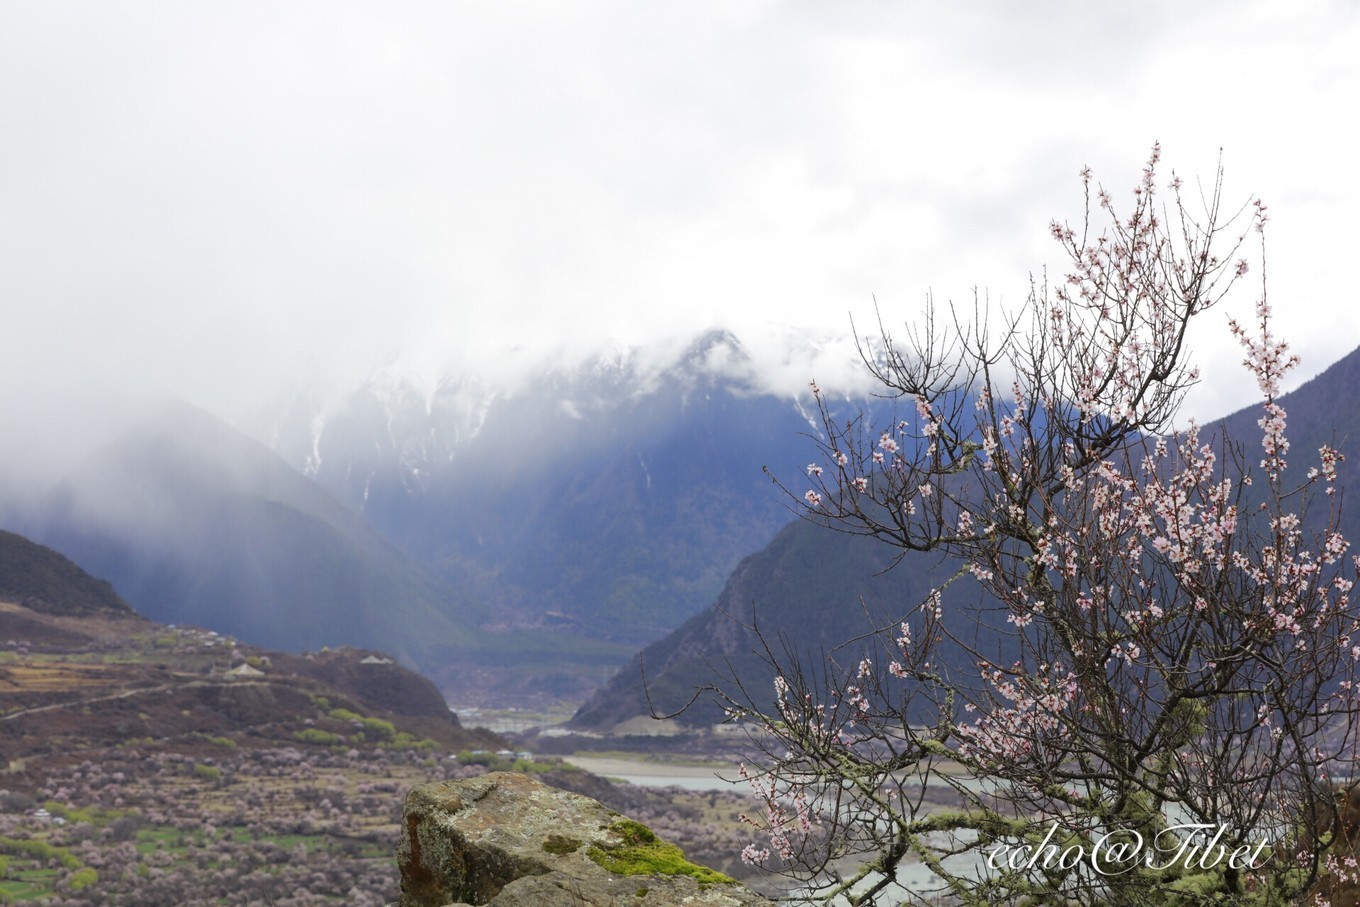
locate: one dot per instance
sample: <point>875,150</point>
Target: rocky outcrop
<point>508,840</point>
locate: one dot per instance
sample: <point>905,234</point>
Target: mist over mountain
<point>193,522</point>
<point>523,537</point>
<point>532,529</point>
<point>608,498</point>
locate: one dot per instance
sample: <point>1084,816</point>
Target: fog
<point>226,203</point>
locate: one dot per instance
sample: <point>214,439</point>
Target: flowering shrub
<point>1180,697</point>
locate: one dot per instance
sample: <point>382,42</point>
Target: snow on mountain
<point>419,413</point>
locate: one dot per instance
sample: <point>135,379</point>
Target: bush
<point>318,736</point>
<point>345,715</point>
<point>378,729</point>
<point>208,772</point>
<point>83,878</point>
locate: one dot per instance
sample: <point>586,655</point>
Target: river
<point>661,774</point>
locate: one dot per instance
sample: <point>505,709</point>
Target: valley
<point>248,719</point>
<point>143,764</point>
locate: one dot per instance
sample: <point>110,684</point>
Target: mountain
<point>603,501</point>
<point>45,599</point>
<point>812,589</point>
<point>195,523</point>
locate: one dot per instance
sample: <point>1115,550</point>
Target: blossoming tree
<point>1164,705</point>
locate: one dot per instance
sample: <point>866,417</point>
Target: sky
<point>225,201</point>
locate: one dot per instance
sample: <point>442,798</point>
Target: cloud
<point>220,201</point>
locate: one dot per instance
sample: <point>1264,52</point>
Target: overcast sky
<point>224,199</point>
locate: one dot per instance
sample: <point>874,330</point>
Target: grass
<point>28,885</point>
<point>55,677</point>
<point>166,840</point>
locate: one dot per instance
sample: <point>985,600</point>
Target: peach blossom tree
<point>1163,705</point>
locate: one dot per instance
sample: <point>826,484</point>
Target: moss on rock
<point>641,852</point>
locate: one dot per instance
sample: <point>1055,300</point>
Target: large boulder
<point>508,840</point>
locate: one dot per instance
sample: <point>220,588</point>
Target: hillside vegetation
<point>138,768</point>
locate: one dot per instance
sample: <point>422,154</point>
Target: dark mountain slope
<point>808,591</point>
<point>1324,410</point>
<point>46,581</point>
